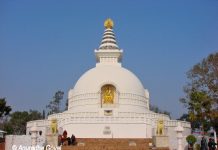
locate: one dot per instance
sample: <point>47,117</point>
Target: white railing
<point>39,123</point>
<point>95,98</point>
<point>74,118</point>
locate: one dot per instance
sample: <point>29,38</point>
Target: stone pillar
<point>34,134</point>
<point>179,129</point>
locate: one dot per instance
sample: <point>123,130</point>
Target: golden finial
<point>109,24</point>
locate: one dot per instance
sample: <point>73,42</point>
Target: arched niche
<point>108,95</point>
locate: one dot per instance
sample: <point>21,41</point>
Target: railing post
<point>179,129</point>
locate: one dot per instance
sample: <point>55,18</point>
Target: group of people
<point>64,140</point>
<point>210,145</point>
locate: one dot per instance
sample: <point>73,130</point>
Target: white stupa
<point>109,101</point>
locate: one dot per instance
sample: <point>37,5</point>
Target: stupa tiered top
<point>108,50</point>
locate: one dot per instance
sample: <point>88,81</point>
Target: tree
<point>199,107</point>
<point>184,117</point>
<point>201,91</point>
<point>4,109</point>
<point>8,127</point>
<point>17,123</point>
<point>34,115</point>
<point>43,114</point>
<point>54,104</point>
<point>66,105</point>
<point>156,109</point>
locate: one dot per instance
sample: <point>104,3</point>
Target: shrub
<point>191,139</point>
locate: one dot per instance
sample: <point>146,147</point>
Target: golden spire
<point>109,24</point>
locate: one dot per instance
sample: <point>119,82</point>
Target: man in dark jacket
<point>204,143</point>
<point>211,144</point>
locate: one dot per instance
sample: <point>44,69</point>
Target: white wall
<point>114,130</point>
<point>21,140</point>
<point>173,137</point>
<point>10,140</point>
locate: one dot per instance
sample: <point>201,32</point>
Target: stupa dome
<point>124,80</point>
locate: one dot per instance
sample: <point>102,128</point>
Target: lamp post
<point>179,129</point>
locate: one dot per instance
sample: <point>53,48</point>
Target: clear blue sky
<point>47,45</point>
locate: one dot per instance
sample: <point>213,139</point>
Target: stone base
<point>52,140</point>
<point>160,141</point>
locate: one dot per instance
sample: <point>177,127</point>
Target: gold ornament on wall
<point>108,94</point>
<point>160,127</point>
<point>53,126</point>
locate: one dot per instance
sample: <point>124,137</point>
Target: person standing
<point>211,144</point>
<point>204,143</point>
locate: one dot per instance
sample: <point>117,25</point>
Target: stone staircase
<point>112,144</point>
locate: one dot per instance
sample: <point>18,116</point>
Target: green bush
<point>191,139</point>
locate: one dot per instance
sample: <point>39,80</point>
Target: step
<point>111,144</point>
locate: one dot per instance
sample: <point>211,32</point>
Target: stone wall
<point>17,140</point>
<point>24,140</point>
